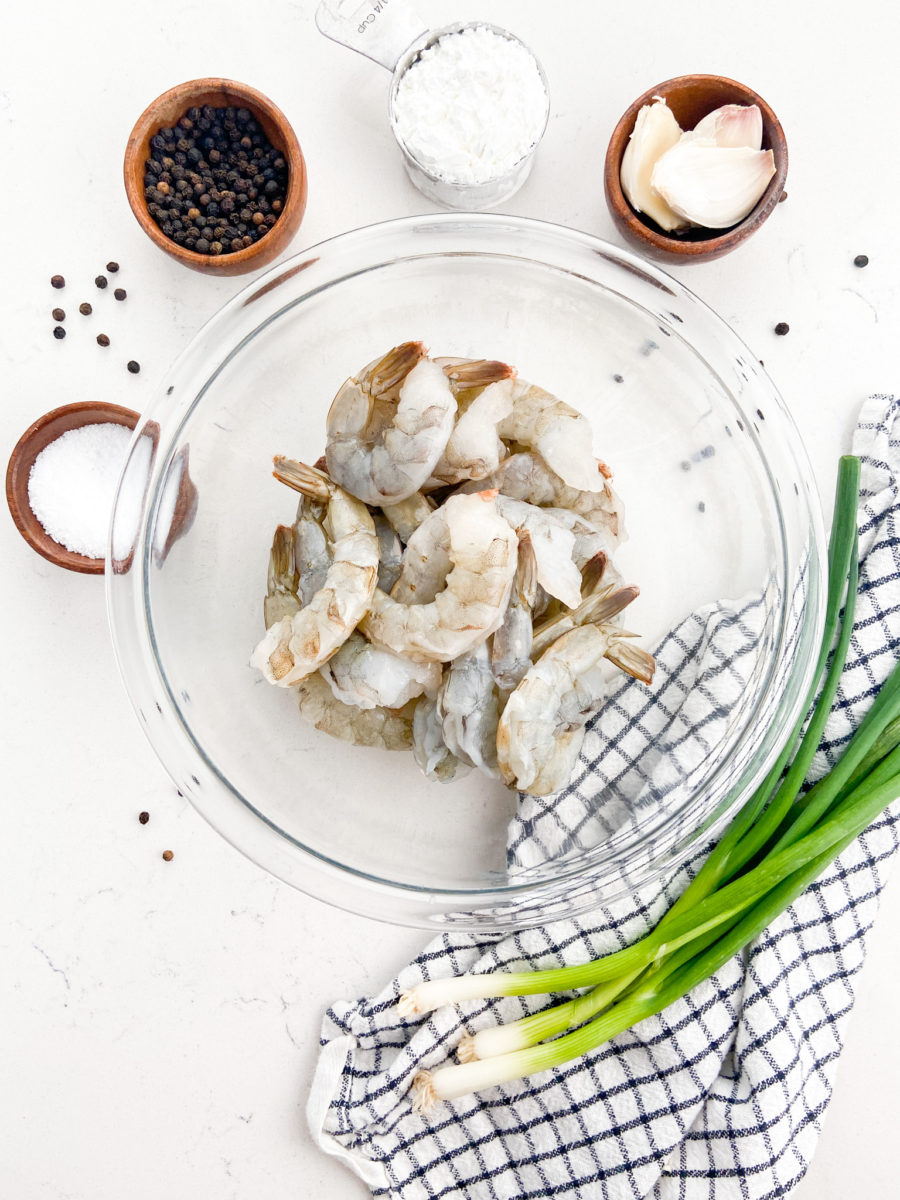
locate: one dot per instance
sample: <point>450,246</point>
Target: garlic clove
<point>731,125</point>
<point>712,186</point>
<point>655,131</point>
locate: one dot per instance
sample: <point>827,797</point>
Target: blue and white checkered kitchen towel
<point>722,1094</point>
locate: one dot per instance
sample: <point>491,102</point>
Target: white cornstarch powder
<point>471,106</point>
<point>72,485</point>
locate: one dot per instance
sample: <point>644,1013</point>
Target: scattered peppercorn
<point>120,293</point>
<point>58,332</point>
<point>168,855</point>
<point>57,281</point>
<point>102,339</point>
<point>58,314</point>
<point>861,260</point>
<point>214,183</point>
<point>782,197</point>
<point>85,309</point>
<point>133,366</point>
<point>112,267</point>
<point>144,817</point>
<point>782,328</point>
<point>101,282</point>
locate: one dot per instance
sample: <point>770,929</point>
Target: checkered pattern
<point>721,1095</point>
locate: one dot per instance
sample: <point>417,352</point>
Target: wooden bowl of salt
<point>73,509</point>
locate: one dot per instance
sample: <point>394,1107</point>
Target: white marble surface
<point>159,1021</point>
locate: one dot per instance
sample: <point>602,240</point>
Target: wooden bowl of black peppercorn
<point>215,176</point>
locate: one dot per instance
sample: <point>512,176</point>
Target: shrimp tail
<point>302,478</point>
<point>395,366</point>
<point>478,372</point>
<point>631,659</point>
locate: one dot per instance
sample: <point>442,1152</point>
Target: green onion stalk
<point>774,849</point>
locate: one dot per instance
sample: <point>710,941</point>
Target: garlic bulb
<point>710,185</point>
<point>655,131</point>
<point>730,125</point>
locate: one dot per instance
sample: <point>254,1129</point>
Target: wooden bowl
<point>218,93</point>
<point>692,97</point>
<point>45,430</point>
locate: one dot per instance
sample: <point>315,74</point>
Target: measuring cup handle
<point>379,29</point>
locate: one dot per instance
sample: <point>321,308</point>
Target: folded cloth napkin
<point>720,1094</point>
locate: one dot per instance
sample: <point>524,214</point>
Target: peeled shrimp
<point>512,642</point>
<point>388,729</point>
<point>407,515</point>
<point>482,552</point>
<point>474,448</point>
<point>526,475</point>
<point>374,677</point>
<point>281,599</point>
<point>541,728</point>
<point>312,555</point>
<point>426,561</point>
<point>388,426</point>
<point>297,645</point>
<point>468,708</point>
<point>390,552</point>
<point>430,751</point>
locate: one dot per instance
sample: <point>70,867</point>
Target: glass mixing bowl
<point>719,504</point>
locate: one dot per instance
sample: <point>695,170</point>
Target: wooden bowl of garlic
<point>694,167</point>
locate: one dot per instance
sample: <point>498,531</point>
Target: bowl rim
<point>677,249</point>
<point>145,682</point>
<point>261,252</point>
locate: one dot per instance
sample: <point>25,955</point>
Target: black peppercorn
<point>782,328</point>
<point>235,175</point>
<point>58,332</point>
<point>861,260</point>
<point>120,293</point>
<point>144,817</point>
<point>85,309</point>
<point>102,339</point>
<point>57,281</point>
<point>133,367</point>
<point>112,267</point>
<point>101,281</point>
<point>58,314</point>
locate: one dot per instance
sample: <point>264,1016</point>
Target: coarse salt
<point>72,485</point>
<point>471,106</point>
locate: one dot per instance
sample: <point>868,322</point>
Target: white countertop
<point>160,1019</point>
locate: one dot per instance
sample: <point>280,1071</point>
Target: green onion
<point>773,850</point>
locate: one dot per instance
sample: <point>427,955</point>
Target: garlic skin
<point>655,132</point>
<point>709,185</point>
<point>731,125</point>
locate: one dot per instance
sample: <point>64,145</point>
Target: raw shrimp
<point>527,476</point>
<point>388,426</point>
<point>390,552</point>
<point>297,645</point>
<point>554,546</point>
<point>468,708</point>
<point>386,728</point>
<point>474,448</point>
<point>373,677</point>
<point>429,749</point>
<point>281,591</point>
<point>312,555</point>
<point>471,605</point>
<point>541,728</point>
<point>407,515</point>
<point>511,643</point>
<point>426,561</point>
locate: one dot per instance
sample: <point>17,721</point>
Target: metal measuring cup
<point>392,35</point>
